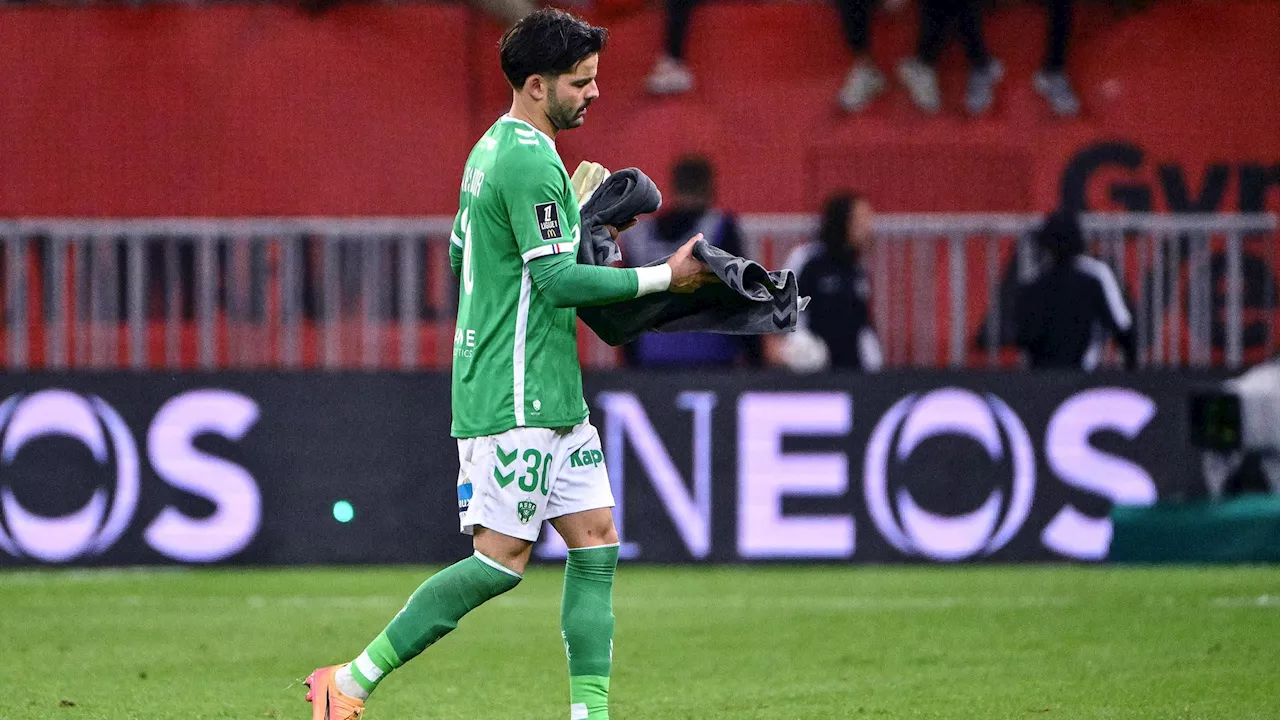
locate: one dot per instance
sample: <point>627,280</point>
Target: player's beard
<point>564,115</point>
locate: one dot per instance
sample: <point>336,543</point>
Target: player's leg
<point>586,611</point>
<point>581,503</point>
<point>434,609</point>
<point>491,507</point>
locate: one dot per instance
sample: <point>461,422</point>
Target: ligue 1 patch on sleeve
<point>548,220</point>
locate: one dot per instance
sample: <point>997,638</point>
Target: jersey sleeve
<point>567,284</point>
<point>538,199</point>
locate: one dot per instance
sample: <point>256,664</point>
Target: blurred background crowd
<point>955,183</point>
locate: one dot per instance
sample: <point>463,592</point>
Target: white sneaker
<point>981,91</point>
<point>1056,89</point>
<point>922,84</point>
<point>669,77</point>
<point>864,83</point>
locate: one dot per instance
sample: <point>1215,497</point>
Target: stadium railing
<point>369,293</point>
<point>1202,287</point>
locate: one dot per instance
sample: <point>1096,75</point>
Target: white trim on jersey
<point>1110,289</point>
<point>522,330</point>
<point>521,134</point>
<point>653,279</point>
<point>453,237</point>
<point>545,250</point>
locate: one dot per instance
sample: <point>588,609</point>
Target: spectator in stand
<point>865,81</point>
<point>1051,81</point>
<point>671,76</point>
<point>919,72</point>
<point>830,273</point>
<point>691,211</point>
<point>1065,315</point>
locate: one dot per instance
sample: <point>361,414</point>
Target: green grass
<point>774,642</point>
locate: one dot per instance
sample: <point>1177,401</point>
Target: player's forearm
<point>567,284</point>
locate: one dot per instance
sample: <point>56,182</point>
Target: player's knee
<point>603,533</point>
<point>511,553</point>
<point>588,529</point>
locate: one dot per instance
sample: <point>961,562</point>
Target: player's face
<point>571,93</point>
<point>860,225</point>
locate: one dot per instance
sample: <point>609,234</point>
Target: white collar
<point>509,118</point>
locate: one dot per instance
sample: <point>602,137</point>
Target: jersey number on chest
<point>468,272</point>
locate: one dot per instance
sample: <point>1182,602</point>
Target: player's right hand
<point>687,272</point>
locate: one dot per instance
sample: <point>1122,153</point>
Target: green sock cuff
<point>597,563</point>
<point>499,573</point>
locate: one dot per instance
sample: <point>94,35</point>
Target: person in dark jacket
<point>1065,316</point>
<point>830,274</point>
<point>691,211</point>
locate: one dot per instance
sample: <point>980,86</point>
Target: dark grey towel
<point>748,300</point>
<point>622,197</point>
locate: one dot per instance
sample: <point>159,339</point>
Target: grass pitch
<point>776,642</point>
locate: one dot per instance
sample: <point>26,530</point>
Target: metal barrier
<point>239,293</point>
<point>378,292</point>
<point>1203,287</point>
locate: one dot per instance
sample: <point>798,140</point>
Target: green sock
<point>586,623</point>
<point>432,611</point>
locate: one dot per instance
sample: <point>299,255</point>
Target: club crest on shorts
<point>526,509</point>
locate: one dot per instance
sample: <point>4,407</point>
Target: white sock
<point>347,684</point>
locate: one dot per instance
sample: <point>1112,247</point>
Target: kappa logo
<point>526,509</point>
<point>914,530</point>
<point>548,216</point>
<point>586,458</point>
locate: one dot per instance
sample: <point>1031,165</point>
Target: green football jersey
<point>515,355</point>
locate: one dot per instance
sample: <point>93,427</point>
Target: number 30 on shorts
<point>538,467</point>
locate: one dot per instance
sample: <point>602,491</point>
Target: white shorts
<point>514,481</point>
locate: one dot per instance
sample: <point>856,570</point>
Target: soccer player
<point>527,451</point>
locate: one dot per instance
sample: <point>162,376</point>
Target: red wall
<point>232,111</point>
<point>250,110</point>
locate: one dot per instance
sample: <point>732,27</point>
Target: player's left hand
<point>614,232</point>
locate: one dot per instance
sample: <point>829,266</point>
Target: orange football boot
<point>327,701</point>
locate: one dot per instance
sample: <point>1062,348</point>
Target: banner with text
<point>276,468</point>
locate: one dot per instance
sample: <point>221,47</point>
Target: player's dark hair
<point>1060,236</point>
<point>693,175</point>
<point>547,42</point>
<point>833,228</point>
